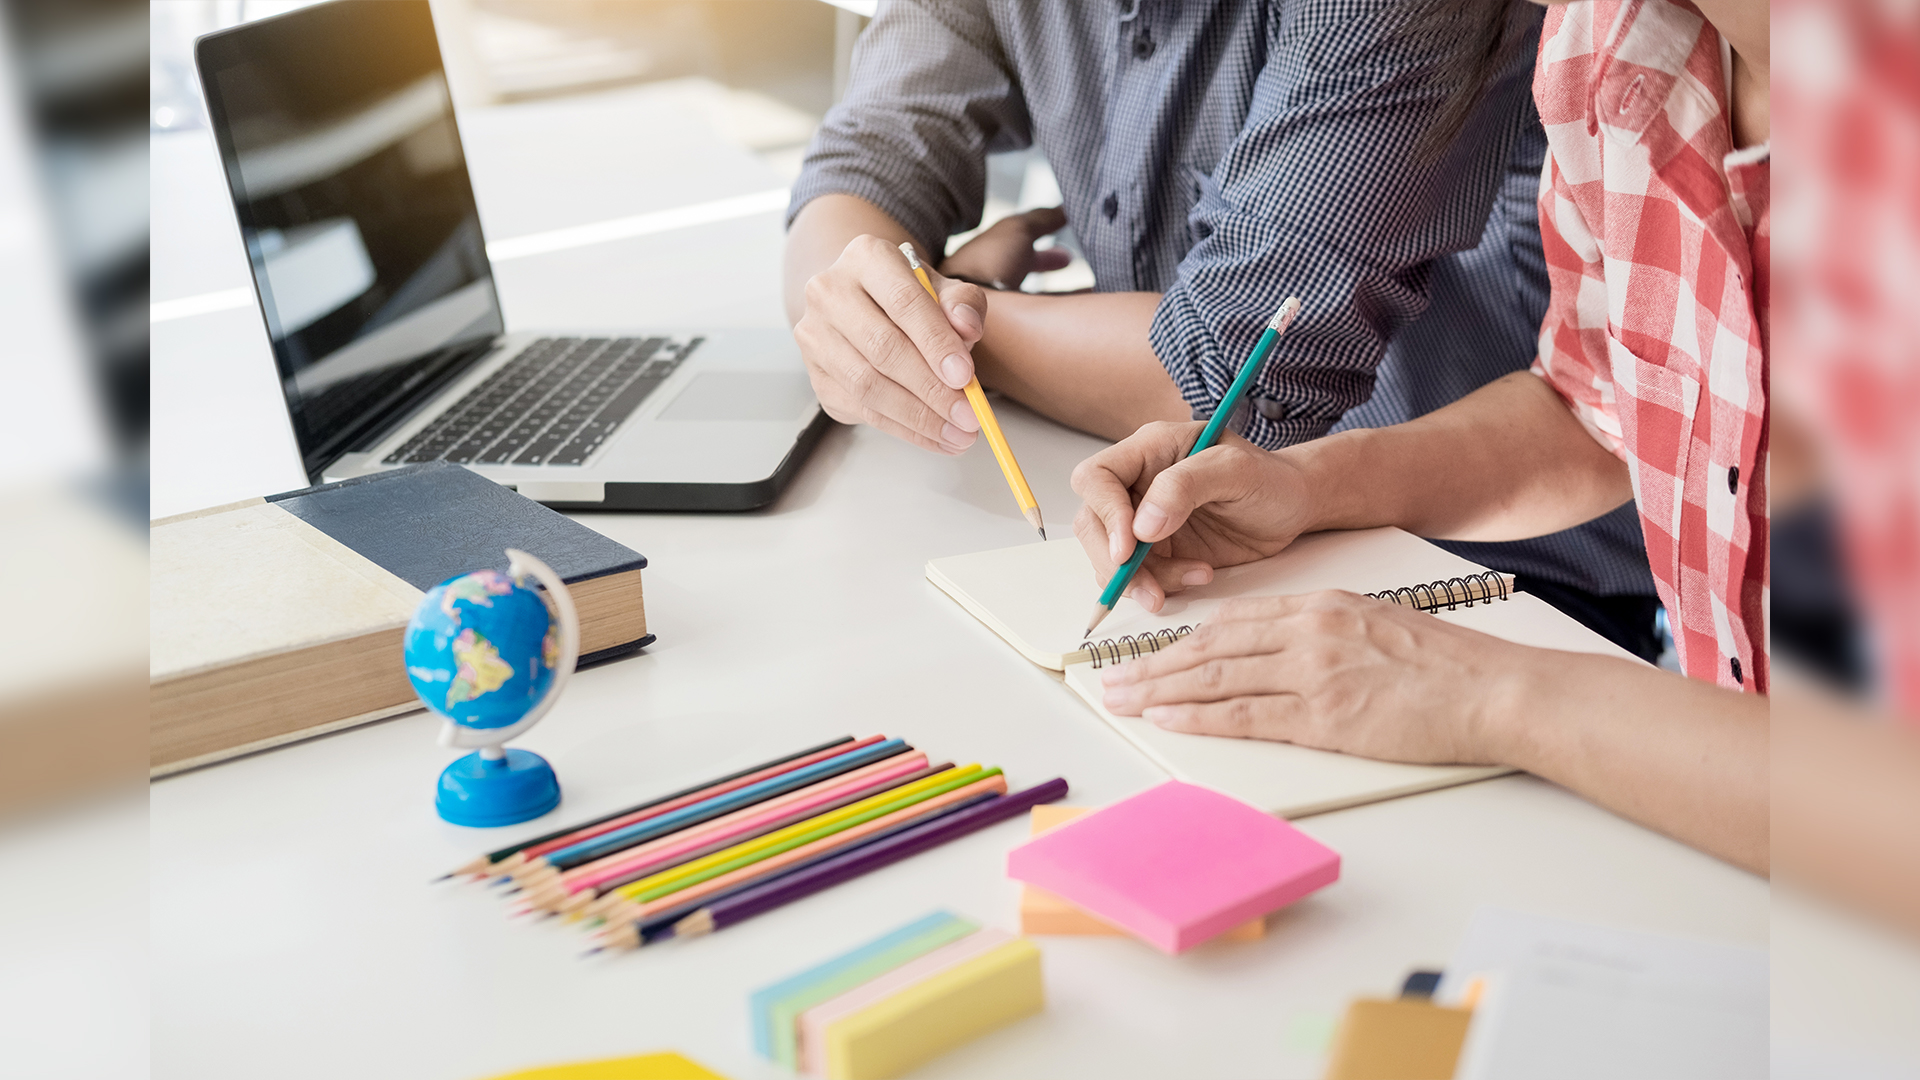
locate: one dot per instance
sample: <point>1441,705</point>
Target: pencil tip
<point>590,952</point>
<point>441,878</point>
<point>1043,533</point>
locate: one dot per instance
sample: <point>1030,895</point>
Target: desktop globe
<point>481,649</point>
<point>489,654</point>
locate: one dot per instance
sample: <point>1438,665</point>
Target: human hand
<point>880,351</point>
<point>1229,504</point>
<point>1003,255</point>
<point>1334,671</point>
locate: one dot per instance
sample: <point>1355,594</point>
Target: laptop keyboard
<point>553,404</point>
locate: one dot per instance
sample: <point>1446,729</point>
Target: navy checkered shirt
<point>1226,155</point>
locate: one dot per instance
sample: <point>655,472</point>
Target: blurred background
<point>86,457</point>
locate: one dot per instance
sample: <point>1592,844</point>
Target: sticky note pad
<point>1176,865</point>
<point>642,1067</point>
<point>776,1008</point>
<point>812,1026</point>
<point>1041,912</point>
<point>935,1015</point>
<point>1401,1039</point>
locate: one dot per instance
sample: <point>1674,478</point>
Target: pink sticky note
<point>1176,865</point>
<point>812,1024</point>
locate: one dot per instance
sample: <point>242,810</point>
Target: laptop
<point>337,134</point>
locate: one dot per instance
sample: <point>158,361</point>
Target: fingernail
<point>1115,698</point>
<point>1117,549</point>
<point>1157,715</point>
<point>1195,577</point>
<point>968,318</point>
<point>955,438</point>
<point>963,417</point>
<point>1111,676</point>
<point>1148,520</point>
<point>957,371</point>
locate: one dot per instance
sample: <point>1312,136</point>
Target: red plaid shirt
<point>1656,235</point>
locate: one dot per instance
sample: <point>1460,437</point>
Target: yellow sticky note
<point>918,1024</point>
<point>643,1067</point>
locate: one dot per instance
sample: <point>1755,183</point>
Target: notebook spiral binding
<point>1108,650</point>
<point>1451,593</point>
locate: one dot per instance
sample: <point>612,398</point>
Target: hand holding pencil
<point>1207,504</point>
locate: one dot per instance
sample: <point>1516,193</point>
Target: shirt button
<point>1733,480</point>
<point>1110,205</point>
<point>1735,665</point>
<point>1142,46</point>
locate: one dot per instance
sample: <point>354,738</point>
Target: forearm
<point>820,233</point>
<point>1081,359</point>
<point>1675,754</point>
<point>1507,462</point>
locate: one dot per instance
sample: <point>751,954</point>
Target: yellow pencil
<point>989,426</point>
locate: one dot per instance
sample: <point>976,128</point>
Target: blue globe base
<point>481,793</point>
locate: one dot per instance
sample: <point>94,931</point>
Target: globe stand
<point>505,788</point>
<point>496,786</point>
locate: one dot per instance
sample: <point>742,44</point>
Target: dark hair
<point>1475,39</point>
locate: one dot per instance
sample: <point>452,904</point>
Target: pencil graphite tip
<point>1100,613</point>
<point>590,952</point>
<point>1289,310</point>
<point>1042,531</point>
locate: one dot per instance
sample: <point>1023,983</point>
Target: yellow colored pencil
<point>989,424</point>
<point>748,847</point>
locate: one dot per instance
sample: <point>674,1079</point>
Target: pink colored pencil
<point>996,783</point>
<point>689,799</point>
<point>595,873</point>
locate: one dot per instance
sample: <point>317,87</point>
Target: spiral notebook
<point>1036,598</point>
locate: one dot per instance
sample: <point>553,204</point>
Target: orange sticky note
<point>1041,912</point>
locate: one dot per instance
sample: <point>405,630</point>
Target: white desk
<point>293,925</point>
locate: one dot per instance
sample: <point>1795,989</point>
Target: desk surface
<point>292,921</point>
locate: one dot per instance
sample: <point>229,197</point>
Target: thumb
<point>1217,474</point>
<point>965,304</point>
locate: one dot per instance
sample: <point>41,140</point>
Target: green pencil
<point>1275,327</point>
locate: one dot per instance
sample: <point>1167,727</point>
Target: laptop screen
<point>337,133</point>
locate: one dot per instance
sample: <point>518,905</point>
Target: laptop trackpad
<point>743,395</point>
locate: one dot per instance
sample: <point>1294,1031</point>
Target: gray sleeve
<point>931,94</point>
<point>1323,195</point>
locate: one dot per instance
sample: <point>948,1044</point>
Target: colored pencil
<point>632,910</point>
<point>660,926</point>
<point>657,885</point>
<point>587,851</point>
<point>489,863</point>
<point>846,866</point>
<point>595,878</point>
<point>1276,326</point>
<point>989,424</point>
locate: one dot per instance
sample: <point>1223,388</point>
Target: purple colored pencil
<point>830,872</point>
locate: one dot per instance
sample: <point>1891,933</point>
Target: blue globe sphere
<point>481,649</point>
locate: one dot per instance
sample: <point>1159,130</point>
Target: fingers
<point>925,322</point>
<point>1263,716</point>
<point>852,390</point>
<point>1050,259</point>
<point>1039,223</point>
<point>858,339</point>
<point>965,305</point>
<point>1107,480</point>
<point>1218,661</point>
<point>1221,473</point>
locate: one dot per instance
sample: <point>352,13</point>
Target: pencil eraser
<point>1041,912</point>
<point>1176,865</point>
